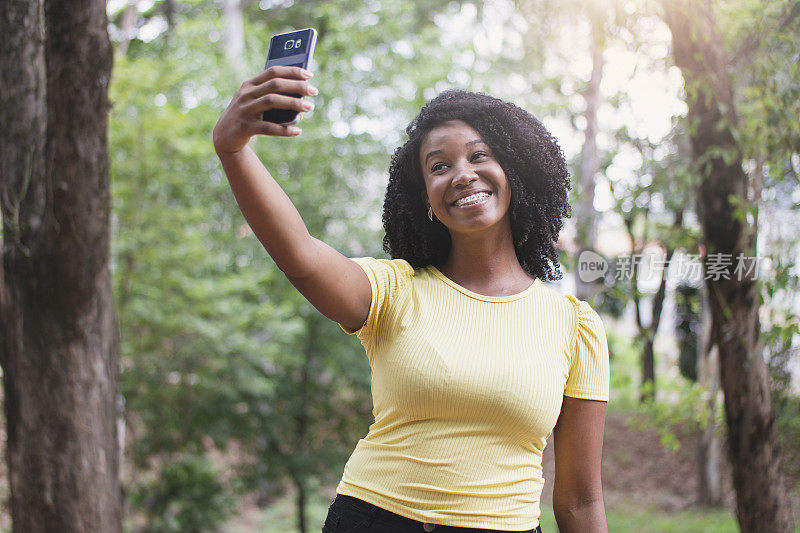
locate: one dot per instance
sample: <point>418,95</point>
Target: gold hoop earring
<point>430,213</point>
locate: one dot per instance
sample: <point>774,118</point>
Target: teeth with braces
<point>471,199</point>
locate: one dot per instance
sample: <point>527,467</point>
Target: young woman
<point>475,362</point>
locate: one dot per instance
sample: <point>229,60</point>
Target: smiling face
<point>464,183</point>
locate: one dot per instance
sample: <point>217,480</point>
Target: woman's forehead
<point>451,128</point>
<point>450,131</point>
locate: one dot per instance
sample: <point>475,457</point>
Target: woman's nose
<point>464,176</point>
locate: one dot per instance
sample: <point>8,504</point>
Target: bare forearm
<point>268,210</point>
<point>589,517</point>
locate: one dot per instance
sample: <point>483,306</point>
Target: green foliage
<point>186,498</point>
<point>761,38</point>
<point>613,295</point>
<point>743,210</point>
<point>625,371</point>
<point>681,407</point>
<point>787,422</point>
<point>780,339</point>
<point>655,204</point>
<point>218,350</point>
<point>689,410</point>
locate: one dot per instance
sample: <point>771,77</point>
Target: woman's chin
<point>475,222</point>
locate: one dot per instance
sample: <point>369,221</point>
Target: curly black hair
<point>528,154</point>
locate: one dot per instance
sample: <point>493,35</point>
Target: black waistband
<point>399,519</point>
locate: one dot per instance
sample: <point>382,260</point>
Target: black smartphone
<point>296,49</point>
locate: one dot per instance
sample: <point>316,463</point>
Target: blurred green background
<point>242,403</point>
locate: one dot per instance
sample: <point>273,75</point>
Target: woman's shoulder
<point>389,273</point>
<point>566,302</point>
<point>587,319</point>
<point>583,308</point>
<point>579,314</point>
<point>378,263</point>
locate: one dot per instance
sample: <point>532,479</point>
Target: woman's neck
<point>485,262</point>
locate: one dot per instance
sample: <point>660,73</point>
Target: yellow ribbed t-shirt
<point>466,389</point>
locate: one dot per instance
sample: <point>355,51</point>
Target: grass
<point>279,518</point>
<point>631,518</point>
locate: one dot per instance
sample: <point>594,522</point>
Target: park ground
<point>648,488</point>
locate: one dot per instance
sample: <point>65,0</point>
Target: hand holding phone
<point>266,91</point>
<point>294,49</point>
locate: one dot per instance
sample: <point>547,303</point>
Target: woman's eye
<point>438,166</point>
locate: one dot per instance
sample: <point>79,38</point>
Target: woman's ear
<point>424,196</point>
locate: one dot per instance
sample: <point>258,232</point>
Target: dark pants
<point>351,515</point>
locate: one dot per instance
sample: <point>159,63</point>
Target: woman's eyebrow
<point>476,141</point>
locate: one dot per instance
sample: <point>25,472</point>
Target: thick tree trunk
<point>761,498</point>
<point>58,335</point>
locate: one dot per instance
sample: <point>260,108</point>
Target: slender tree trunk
<point>709,448</point>
<point>234,37</point>
<point>649,333</point>
<point>647,359</point>
<point>300,505</point>
<point>307,375</point>
<point>58,334</point>
<point>169,12</point>
<point>734,302</point>
<point>648,390</point>
<point>127,26</point>
<point>586,215</point>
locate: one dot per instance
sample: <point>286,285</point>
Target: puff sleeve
<point>589,370</point>
<point>386,277</point>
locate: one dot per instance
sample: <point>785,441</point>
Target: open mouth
<point>473,199</point>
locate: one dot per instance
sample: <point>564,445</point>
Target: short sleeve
<point>386,277</point>
<point>589,370</point>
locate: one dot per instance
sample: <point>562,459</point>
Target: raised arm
<point>578,490</point>
<point>334,284</point>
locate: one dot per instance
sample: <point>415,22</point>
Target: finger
<point>278,130</point>
<point>279,101</point>
<point>281,71</point>
<point>286,86</point>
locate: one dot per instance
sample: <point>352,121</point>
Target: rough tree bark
<point>58,334</point>
<point>754,454</point>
